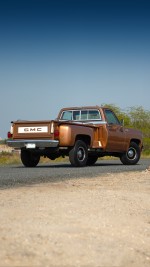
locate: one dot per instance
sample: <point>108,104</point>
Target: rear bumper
<point>32,143</point>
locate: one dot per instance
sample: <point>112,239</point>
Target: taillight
<point>56,134</point>
<point>9,135</point>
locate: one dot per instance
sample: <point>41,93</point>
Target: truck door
<point>116,133</point>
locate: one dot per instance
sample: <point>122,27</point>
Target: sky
<point>60,53</point>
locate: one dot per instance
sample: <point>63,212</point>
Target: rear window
<point>81,115</point>
<point>66,115</point>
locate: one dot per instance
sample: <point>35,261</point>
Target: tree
<point>140,119</point>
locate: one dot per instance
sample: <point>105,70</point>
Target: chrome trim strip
<point>94,122</point>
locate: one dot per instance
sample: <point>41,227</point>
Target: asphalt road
<point>18,175</point>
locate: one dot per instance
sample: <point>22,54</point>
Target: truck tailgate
<point>33,130</point>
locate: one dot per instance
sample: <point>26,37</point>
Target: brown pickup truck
<point>82,133</point>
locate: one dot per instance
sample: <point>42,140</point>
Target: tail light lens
<point>9,135</point>
<point>56,134</point>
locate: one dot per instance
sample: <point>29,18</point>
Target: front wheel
<point>132,156</point>
<point>29,159</point>
<point>78,155</point>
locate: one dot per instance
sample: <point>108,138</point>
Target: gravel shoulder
<point>102,221</point>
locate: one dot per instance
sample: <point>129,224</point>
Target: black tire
<point>78,155</point>
<point>132,156</point>
<point>29,159</point>
<point>91,160</point>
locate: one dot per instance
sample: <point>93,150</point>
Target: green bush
<point>146,143</point>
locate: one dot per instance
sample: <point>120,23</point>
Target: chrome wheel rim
<point>131,153</point>
<point>81,154</point>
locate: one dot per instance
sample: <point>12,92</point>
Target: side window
<point>67,115</point>
<point>110,117</point>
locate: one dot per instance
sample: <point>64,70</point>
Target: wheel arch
<point>137,141</point>
<point>85,138</point>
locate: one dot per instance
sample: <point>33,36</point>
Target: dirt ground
<point>97,222</point>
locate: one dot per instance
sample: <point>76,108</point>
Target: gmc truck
<point>82,133</point>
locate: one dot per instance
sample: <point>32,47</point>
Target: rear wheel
<point>78,155</point>
<point>132,156</point>
<point>29,159</point>
<point>91,160</point>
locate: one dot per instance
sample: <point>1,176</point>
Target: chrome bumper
<point>32,143</point>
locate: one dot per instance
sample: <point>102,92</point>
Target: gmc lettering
<point>43,129</point>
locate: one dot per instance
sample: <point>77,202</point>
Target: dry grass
<point>7,158</point>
